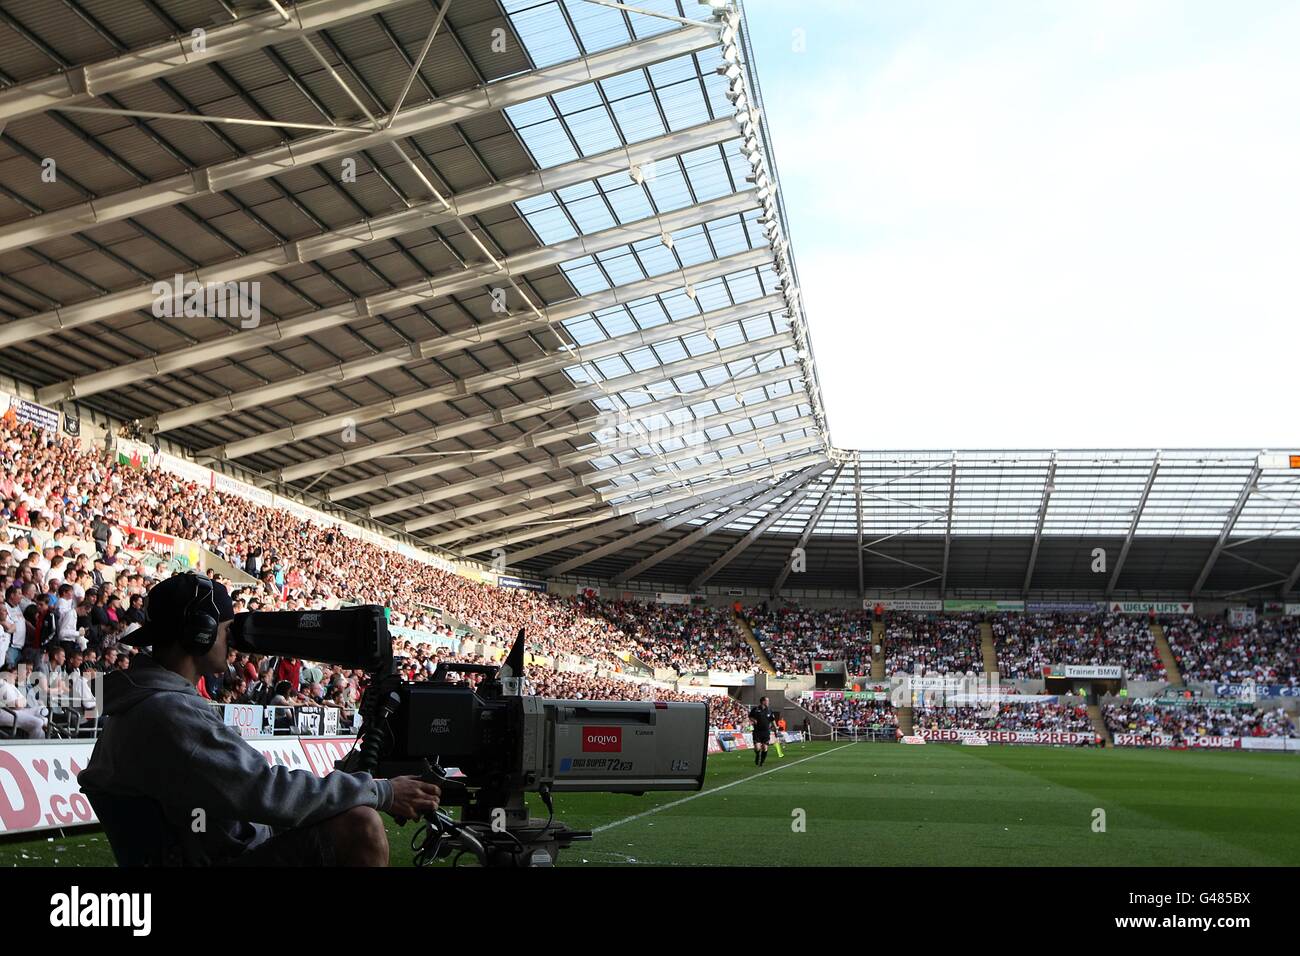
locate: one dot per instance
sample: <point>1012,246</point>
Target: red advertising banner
<point>1165,740</point>
<point>38,786</point>
<point>38,780</point>
<point>1067,737</point>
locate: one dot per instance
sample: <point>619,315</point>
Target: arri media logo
<point>76,909</point>
<point>602,740</point>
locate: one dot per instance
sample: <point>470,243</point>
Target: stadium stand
<point>849,715</point>
<point>1026,643</point>
<point>686,638</point>
<point>1034,716</point>
<point>1197,719</point>
<point>794,637</point>
<point>920,645</point>
<point>1266,653</point>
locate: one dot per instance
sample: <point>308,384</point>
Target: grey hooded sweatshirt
<point>161,739</point>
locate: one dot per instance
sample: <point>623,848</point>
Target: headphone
<point>198,627</point>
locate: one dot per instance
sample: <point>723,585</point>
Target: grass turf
<point>889,805</point>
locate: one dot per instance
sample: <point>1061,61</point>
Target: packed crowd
<point>67,494</point>
<point>689,638</point>
<point>1267,652</point>
<point>1196,719</point>
<point>1034,716</point>
<point>925,644</point>
<point>793,637</point>
<point>75,567</point>
<point>845,713</point>
<point>1027,642</point>
<point>724,712</point>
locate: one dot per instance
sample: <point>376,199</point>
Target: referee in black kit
<point>764,719</point>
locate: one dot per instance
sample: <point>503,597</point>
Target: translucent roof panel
<point>1077,493</point>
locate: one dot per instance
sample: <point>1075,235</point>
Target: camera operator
<point>163,741</point>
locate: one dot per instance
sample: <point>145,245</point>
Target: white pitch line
<point>705,793</point>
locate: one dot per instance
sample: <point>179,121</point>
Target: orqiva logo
<point>602,739</point>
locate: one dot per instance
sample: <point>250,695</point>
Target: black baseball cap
<point>166,603</point>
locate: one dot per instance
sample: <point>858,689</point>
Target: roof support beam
<point>597,494</point>
<point>1133,525</point>
<point>423,215</point>
<point>1048,487</point>
<point>623,542</point>
<point>248,33</point>
<point>422,292</point>
<point>321,425</point>
<point>1289,585</point>
<point>504,476</point>
<point>947,531</point>
<point>776,514</point>
<point>532,530</point>
<point>815,517</point>
<point>569,432</point>
<point>459,388</point>
<point>1228,525</point>
<point>643,507</point>
<point>591,479</point>
<point>698,535</point>
<point>309,151</point>
<point>552,404</point>
<point>857,498</point>
<point>774,454</point>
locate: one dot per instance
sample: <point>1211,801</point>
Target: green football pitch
<point>891,805</point>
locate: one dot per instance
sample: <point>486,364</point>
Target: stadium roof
<point>523,291</point>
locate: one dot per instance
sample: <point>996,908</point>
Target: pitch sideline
<point>705,793</point>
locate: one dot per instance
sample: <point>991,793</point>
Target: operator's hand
<point>413,797</point>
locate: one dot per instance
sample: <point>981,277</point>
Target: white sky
<point>1043,226</point>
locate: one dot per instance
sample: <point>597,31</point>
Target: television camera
<point>489,745</point>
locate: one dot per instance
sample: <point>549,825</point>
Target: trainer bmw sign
<point>602,739</point>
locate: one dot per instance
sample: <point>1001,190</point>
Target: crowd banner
<point>521,584</point>
<point>879,692</point>
<point>1241,616</point>
<point>33,414</point>
<point>1064,607</point>
<point>983,605</point>
<point>245,718</point>
<point>735,740</point>
<point>730,679</point>
<point>423,637</point>
<point>1292,610</point>
<point>185,469</point>
<point>134,454</point>
<point>1146,607</point>
<point>1059,737</point>
<point>890,604</point>
<point>1083,671</point>
<point>671,597</point>
<point>1255,691</point>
